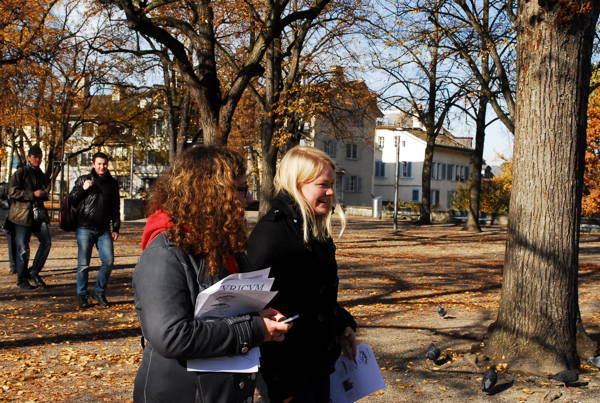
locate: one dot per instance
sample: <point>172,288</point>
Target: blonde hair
<point>301,165</point>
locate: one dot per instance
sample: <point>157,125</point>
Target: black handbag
<point>40,214</point>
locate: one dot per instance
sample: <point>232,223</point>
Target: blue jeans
<point>21,237</point>
<point>86,239</point>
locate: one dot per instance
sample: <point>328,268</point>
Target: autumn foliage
<point>495,192</point>
<point>590,204</point>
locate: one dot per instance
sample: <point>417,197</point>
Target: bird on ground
<point>595,361</point>
<point>490,377</point>
<point>442,311</point>
<point>567,377</point>
<point>433,352</point>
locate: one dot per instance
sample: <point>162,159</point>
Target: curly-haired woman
<point>195,235</point>
<point>294,239</point>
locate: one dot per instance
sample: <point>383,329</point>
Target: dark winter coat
<point>306,278</point>
<point>21,185</point>
<point>97,206</point>
<point>167,282</point>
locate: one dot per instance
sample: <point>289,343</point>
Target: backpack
<point>67,215</point>
<point>4,201</point>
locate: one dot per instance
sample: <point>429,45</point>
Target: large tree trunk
<point>269,152</point>
<point>425,211</point>
<point>537,319</point>
<point>476,162</point>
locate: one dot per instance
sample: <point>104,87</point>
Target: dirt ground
<point>391,282</point>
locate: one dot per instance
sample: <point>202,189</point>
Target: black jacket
<point>98,206</point>
<point>306,278</point>
<point>21,185</point>
<point>166,283</point>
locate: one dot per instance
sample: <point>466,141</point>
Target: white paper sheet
<point>353,380</point>
<point>245,363</point>
<point>236,294</point>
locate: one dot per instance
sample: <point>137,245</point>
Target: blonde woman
<point>195,235</point>
<point>295,239</point>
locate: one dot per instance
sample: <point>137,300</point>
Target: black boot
<point>100,299</point>
<point>24,284</point>
<point>37,280</point>
<point>83,301</point>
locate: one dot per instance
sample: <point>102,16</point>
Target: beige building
<point>347,137</point>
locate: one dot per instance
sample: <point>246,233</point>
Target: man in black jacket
<point>27,215</point>
<point>96,196</point>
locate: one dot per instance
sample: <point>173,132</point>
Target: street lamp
<point>396,181</point>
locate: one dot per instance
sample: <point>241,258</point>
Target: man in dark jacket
<point>96,196</point>
<point>27,215</point>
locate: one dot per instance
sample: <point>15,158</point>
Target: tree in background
<point>422,72</point>
<point>197,35</point>
<point>483,36</point>
<point>538,327</point>
<point>495,192</point>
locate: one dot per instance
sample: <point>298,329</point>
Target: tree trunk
<point>476,162</point>
<point>537,319</point>
<point>269,150</point>
<point>425,211</point>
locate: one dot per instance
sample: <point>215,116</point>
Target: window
<point>450,172</point>
<point>352,184</point>
<point>351,151</point>
<point>435,197</point>
<point>458,173</point>
<point>396,139</point>
<point>405,168</point>
<point>379,169</point>
<point>380,142</point>
<point>451,196</point>
<point>85,159</point>
<point>403,144</point>
<point>466,174</point>
<point>443,171</point>
<point>415,195</point>
<point>329,146</point>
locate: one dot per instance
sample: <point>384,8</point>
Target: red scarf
<point>160,221</point>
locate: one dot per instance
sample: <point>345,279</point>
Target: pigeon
<point>595,361</point>
<point>567,377</point>
<point>490,377</point>
<point>433,352</point>
<point>441,311</point>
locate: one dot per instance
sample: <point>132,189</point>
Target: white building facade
<point>450,165</point>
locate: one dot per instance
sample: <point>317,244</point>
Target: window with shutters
<point>352,183</point>
<point>405,168</point>
<point>379,169</point>
<point>380,142</point>
<point>330,148</point>
<point>435,197</point>
<point>351,151</point>
<point>415,195</point>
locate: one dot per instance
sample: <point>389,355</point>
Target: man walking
<point>27,214</point>
<point>96,197</point>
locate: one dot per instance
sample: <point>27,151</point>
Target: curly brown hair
<point>199,194</point>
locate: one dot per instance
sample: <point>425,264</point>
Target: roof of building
<point>445,139</point>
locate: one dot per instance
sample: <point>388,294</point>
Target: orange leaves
<point>591,197</point>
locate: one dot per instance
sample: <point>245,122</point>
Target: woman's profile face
<point>319,193</point>
<point>242,190</point>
